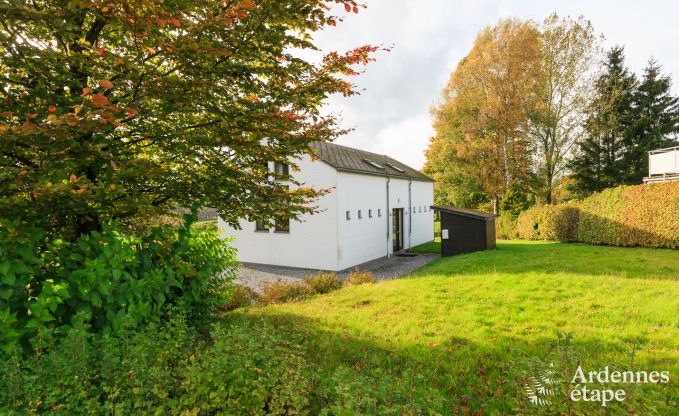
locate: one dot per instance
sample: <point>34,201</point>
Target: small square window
<point>282,225</point>
<point>348,215</point>
<point>370,213</point>
<point>359,214</point>
<point>379,212</point>
<point>261,225</point>
<point>281,168</point>
<point>420,208</point>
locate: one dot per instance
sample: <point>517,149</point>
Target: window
<point>396,168</point>
<point>370,213</point>
<point>420,208</point>
<point>282,225</point>
<point>348,215</point>
<point>379,212</point>
<point>262,225</point>
<point>281,168</point>
<point>359,214</point>
<point>373,164</point>
<point>413,210</point>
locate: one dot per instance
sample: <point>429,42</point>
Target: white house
<point>377,206</point>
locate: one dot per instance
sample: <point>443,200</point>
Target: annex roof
<point>465,212</point>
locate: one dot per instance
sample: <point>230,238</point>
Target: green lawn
<point>457,336</point>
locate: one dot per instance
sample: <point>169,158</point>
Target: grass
<point>456,337</point>
<point>430,247</point>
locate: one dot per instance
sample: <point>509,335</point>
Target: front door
<point>397,229</point>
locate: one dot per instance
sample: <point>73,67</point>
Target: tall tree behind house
<point>654,124</point>
<point>600,156</point>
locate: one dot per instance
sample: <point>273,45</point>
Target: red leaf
<point>99,99</point>
<point>355,9</point>
<point>106,84</point>
<point>101,52</point>
<point>332,23</point>
<point>86,91</point>
<point>347,7</point>
<point>51,109</point>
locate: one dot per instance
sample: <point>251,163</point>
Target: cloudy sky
<point>391,116</point>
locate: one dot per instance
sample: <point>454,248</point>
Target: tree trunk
<point>496,205</point>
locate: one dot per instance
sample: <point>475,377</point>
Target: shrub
<point>358,277</point>
<point>527,224</point>
<point>111,280</point>
<point>505,226</point>
<point>240,296</point>
<point>252,369</point>
<point>280,291</point>
<point>323,282</point>
<point>644,215</point>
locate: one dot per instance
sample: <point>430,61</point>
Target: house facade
<point>377,206</point>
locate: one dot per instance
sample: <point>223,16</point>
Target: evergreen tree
<point>655,122</point>
<point>600,160</point>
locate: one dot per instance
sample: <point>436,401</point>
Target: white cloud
<point>430,36</point>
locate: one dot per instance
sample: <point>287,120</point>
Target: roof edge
<point>463,212</point>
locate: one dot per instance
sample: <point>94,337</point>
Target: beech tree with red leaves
<point>118,110</point>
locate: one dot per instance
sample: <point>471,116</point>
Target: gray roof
<point>348,159</point>
<point>465,212</point>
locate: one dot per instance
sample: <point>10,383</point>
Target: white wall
<point>328,240</point>
<point>423,219</point>
<point>664,162</point>
<point>311,243</point>
<point>366,239</point>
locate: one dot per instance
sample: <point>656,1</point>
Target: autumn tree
<point>570,51</point>
<point>121,109</point>
<point>489,99</point>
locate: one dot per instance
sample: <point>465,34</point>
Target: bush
<point>505,226</point>
<point>323,282</point>
<point>358,277</point>
<point>240,296</point>
<point>280,291</point>
<point>110,280</point>
<point>251,368</point>
<point>643,215</point>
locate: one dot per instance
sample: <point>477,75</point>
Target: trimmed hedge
<point>642,215</point>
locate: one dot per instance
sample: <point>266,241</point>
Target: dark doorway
<point>397,229</point>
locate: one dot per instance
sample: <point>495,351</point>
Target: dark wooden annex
<point>465,230</point>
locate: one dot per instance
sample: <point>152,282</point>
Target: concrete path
<point>255,275</point>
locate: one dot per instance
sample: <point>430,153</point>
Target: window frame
<point>263,228</point>
<point>284,167</point>
<point>284,230</point>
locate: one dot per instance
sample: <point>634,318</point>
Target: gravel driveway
<point>255,275</point>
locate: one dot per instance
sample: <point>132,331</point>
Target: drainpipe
<point>410,217</point>
<point>387,215</point>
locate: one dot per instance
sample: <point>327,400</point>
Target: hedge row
<point>642,215</point>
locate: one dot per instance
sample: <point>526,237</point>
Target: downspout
<point>387,215</point>
<point>410,217</point>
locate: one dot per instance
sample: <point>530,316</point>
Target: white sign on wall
<point>444,234</point>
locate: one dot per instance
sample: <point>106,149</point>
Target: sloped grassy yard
<point>460,334</point>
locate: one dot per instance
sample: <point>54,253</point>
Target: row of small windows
<point>421,208</point>
<point>360,214</point>
<point>281,225</point>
